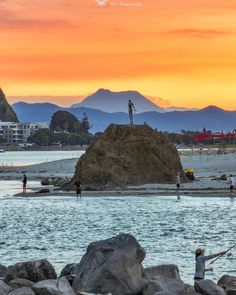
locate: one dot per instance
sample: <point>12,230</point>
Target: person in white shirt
<point>231,184</point>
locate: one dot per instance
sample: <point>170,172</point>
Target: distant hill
<point>112,102</point>
<point>211,117</point>
<point>7,114</point>
<point>35,112</point>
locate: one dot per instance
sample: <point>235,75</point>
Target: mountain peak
<point>111,102</point>
<point>212,108</point>
<point>102,91</point>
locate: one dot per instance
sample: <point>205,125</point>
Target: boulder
<point>19,283</point>
<point>228,283</point>
<point>164,293</point>
<point>190,290</point>
<point>3,270</point>
<point>34,271</point>
<point>45,181</point>
<point>4,288</point>
<point>22,291</point>
<point>164,284</point>
<point>112,265</point>
<point>208,287</point>
<point>53,287</point>
<point>165,270</point>
<point>127,155</point>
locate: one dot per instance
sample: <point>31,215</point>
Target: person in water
<point>131,108</point>
<point>24,181</point>
<point>77,184</point>
<point>177,180</point>
<point>200,263</point>
<point>231,184</point>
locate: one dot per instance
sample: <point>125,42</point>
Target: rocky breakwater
<point>112,266</point>
<point>128,155</point>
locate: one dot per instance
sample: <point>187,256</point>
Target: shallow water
<point>60,228</point>
<point>21,158</point>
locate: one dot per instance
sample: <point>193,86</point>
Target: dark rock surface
<point>165,270</point>
<point>128,155</point>
<point>53,287</point>
<point>4,288</point>
<point>22,291</point>
<point>35,271</point>
<point>6,112</point>
<point>3,270</point>
<point>20,283</point>
<point>164,284</point>
<point>208,287</point>
<point>228,283</point>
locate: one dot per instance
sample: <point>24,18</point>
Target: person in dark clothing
<point>24,183</point>
<point>77,184</point>
<point>131,108</point>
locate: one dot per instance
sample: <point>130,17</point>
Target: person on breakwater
<point>131,108</point>
<point>24,183</point>
<point>77,184</point>
<point>200,263</point>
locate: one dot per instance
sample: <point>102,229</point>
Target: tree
<point>42,137</point>
<point>85,124</point>
<point>64,121</point>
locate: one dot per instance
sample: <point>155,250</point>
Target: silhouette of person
<point>131,108</point>
<point>77,184</point>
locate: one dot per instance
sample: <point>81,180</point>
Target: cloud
<point>12,20</point>
<point>161,102</point>
<point>197,33</point>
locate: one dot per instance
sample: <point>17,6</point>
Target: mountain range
<point>211,117</point>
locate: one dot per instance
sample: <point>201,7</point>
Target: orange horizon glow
<point>174,52</point>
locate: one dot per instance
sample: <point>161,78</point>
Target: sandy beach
<point>208,168</point>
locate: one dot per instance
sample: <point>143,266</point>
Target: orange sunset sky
<point>178,52</point>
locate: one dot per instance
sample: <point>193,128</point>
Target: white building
<point>19,132</point>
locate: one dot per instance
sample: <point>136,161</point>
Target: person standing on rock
<point>77,184</point>
<point>200,263</point>
<point>24,181</point>
<point>131,108</point>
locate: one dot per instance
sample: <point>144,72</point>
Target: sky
<point>176,52</point>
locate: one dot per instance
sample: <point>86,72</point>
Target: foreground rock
<point>112,265</point>
<point>128,155</point>
<point>4,288</point>
<point>22,291</point>
<point>34,271</point>
<point>166,270</point>
<point>208,287</point>
<point>53,287</point>
<point>3,270</point>
<point>20,283</point>
<point>164,284</point>
<point>228,283</point>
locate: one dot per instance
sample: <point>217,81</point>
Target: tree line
<point>65,129</point>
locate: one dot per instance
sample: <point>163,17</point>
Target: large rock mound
<point>6,112</point>
<point>128,155</point>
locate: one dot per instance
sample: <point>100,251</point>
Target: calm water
<point>35,157</point>
<point>60,228</point>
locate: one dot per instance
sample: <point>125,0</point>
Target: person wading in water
<point>131,108</point>
<point>24,183</point>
